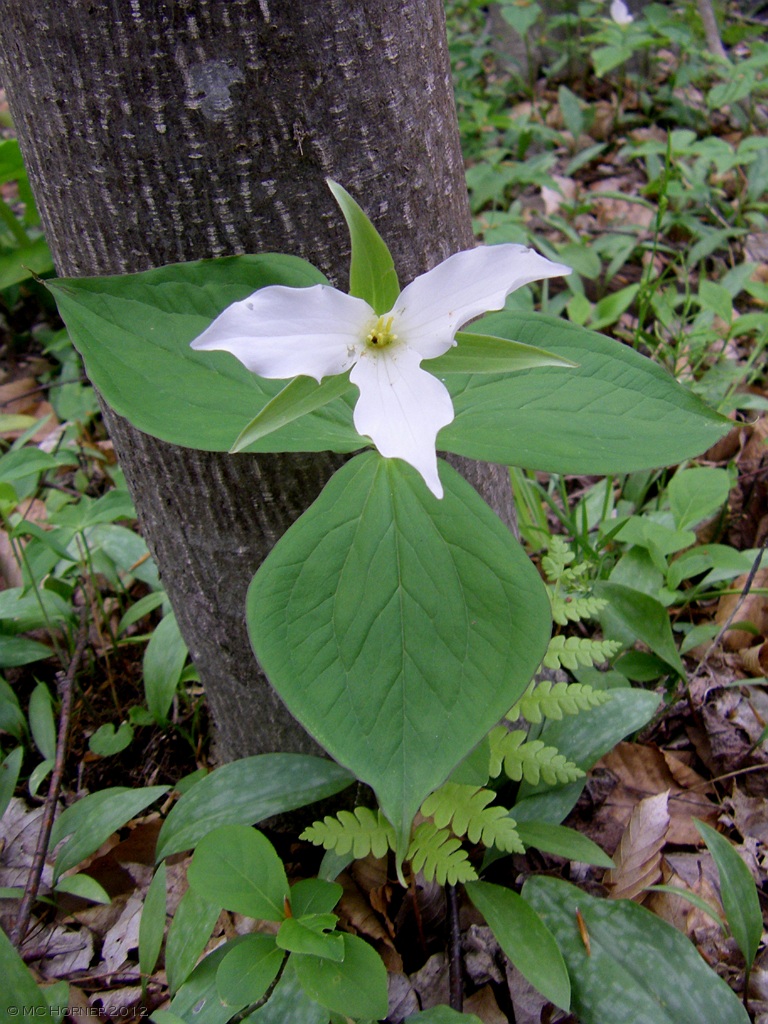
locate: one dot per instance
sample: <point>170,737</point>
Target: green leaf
<point>302,396</point>
<point>20,997</point>
<point>312,935</point>
<point>481,353</point>
<point>356,987</point>
<point>91,821</point>
<point>372,274</point>
<point>247,970</point>
<point>17,650</point>
<point>107,740</point>
<point>524,938</point>
<point>152,923</point>
<point>695,494</point>
<point>22,263</point>
<point>645,617</point>
<point>164,659</point>
<point>615,412</point>
<point>237,868</point>
<point>134,333</point>
<point>737,891</point>
<point>246,791</point>
<point>314,896</point>
<point>12,718</point>
<point>85,887</point>
<point>636,963</point>
<point>385,618</point>
<point>289,1002</point>
<point>563,842</point>
<point>198,1001</point>
<point>9,776</point>
<point>190,930</point>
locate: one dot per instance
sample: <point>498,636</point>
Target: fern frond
<point>363,832</point>
<point>553,700</point>
<point>572,608</point>
<point>572,651</point>
<point>437,853</point>
<point>531,760</point>
<point>465,809</point>
<point>557,558</point>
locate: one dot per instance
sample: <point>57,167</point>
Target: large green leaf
<point>134,332</point>
<point>639,969</point>
<point>398,628</point>
<point>20,997</point>
<point>614,412</point>
<point>246,791</point>
<point>355,986</point>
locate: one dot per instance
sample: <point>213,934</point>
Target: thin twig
<point>65,683</point>
<point>455,972</point>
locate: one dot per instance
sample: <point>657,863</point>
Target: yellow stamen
<point>381,334</point>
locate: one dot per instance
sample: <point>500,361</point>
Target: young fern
<point>546,699</point>
<point>572,651</point>
<point>438,854</point>
<point>466,810</point>
<point>362,832</point>
<point>532,760</point>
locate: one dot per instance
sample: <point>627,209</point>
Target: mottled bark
<point>158,131</point>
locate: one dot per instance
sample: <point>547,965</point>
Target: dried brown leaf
<point>638,858</point>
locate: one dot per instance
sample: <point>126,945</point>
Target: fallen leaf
<point>638,857</point>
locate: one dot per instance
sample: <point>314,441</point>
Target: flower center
<point>381,334</point>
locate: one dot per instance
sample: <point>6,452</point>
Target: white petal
<point>432,308</point>
<point>620,13</point>
<point>283,332</point>
<point>402,408</point>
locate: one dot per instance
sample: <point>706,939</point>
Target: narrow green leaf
<point>91,821</point>
<point>41,721</point>
<point>188,934</point>
<point>152,924</point>
<point>85,887</point>
<point>481,353</point>
<point>737,891</point>
<point>563,842</point>
<point>247,970</point>
<point>164,659</point>
<point>372,274</point>
<point>614,412</point>
<point>385,618</point>
<point>17,650</point>
<point>357,986</point>
<point>635,965</point>
<point>690,897</point>
<point>238,868</point>
<point>246,791</point>
<point>20,997</point>
<point>9,776</point>
<point>302,396</point>
<point>524,938</point>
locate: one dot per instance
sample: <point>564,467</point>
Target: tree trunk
<point>158,131</point>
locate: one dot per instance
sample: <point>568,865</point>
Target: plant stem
<point>455,972</point>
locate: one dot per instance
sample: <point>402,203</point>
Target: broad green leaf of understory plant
<point>398,628</point>
<point>289,1001</point>
<point>19,990</point>
<point>238,868</point>
<point>638,969</point>
<point>152,924</point>
<point>248,969</point>
<point>356,986</point>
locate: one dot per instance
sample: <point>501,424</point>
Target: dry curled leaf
<point>638,858</point>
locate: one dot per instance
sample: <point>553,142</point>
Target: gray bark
<point>158,131</point>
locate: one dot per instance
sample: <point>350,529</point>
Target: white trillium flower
<point>620,13</point>
<point>281,332</point>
